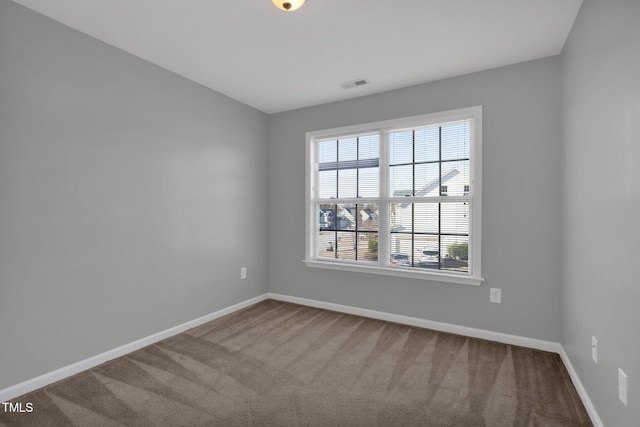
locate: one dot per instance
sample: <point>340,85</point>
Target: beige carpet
<point>281,364</point>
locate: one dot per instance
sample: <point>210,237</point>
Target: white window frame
<point>383,266</point>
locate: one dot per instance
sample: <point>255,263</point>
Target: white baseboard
<point>582,392</point>
<point>550,346</point>
<point>428,324</point>
<point>75,368</point>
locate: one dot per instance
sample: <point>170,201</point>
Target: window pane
<point>401,181</point>
<point>327,217</point>
<point>426,217</point>
<point>401,217</point>
<point>368,147</point>
<point>427,145</point>
<point>347,182</point>
<point>346,218</point>
<point>327,152</point>
<point>401,244</point>
<point>456,253</point>
<point>367,217</point>
<point>455,141</point>
<point>346,245</point>
<point>368,182</point>
<point>401,147</point>
<point>427,182</point>
<point>367,246</point>
<point>454,218</point>
<point>347,149</point>
<point>455,175</point>
<point>428,252</point>
<point>327,244</point>
<point>327,184</point>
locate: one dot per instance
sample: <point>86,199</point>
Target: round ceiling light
<point>288,5</point>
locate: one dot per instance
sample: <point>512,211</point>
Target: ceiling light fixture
<point>288,5</point>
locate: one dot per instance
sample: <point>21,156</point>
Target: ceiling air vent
<point>354,83</point>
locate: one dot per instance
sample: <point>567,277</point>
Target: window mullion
<point>440,192</point>
<point>414,190</point>
<point>384,223</point>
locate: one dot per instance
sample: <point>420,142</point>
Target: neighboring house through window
<point>400,197</point>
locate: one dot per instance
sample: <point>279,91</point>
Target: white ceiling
<point>277,61</point>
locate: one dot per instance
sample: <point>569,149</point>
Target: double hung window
<point>399,197</point>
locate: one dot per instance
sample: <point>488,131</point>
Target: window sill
<point>396,272</point>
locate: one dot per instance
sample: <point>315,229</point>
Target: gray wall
<point>129,197</point>
<point>601,175</point>
<point>521,203</point>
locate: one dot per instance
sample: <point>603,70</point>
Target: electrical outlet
<point>622,386</point>
<point>594,349</point>
<point>495,295</point>
<point>243,273</point>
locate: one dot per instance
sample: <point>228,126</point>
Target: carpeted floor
<point>282,364</point>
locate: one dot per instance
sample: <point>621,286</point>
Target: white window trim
<point>474,277</point>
